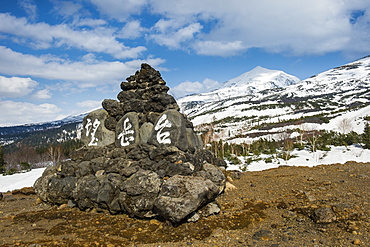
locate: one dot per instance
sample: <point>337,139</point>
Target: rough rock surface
<point>141,157</point>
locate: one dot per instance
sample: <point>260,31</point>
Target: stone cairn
<point>141,157</point>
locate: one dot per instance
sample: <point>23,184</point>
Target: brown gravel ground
<point>287,206</point>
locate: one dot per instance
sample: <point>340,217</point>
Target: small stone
<point>71,204</point>
<point>357,242</point>
<point>63,206</point>
<point>261,235</point>
<point>324,215</point>
<point>194,218</point>
<point>38,201</point>
<point>362,176</point>
<point>9,198</point>
<point>289,215</point>
<point>311,198</point>
<point>229,186</point>
<point>99,173</point>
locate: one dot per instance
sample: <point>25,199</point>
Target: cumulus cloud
<point>20,112</point>
<point>16,86</point>
<point>89,104</point>
<point>208,27</point>
<point>43,36</point>
<point>43,94</point>
<point>173,38</point>
<point>287,26</point>
<point>131,30</point>
<point>85,73</point>
<point>188,87</point>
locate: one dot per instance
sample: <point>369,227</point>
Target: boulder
<point>170,130</point>
<point>180,196</point>
<point>94,132</point>
<point>127,130</point>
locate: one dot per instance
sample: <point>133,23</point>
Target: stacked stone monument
<point>141,157</point>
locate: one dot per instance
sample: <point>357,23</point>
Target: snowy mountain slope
<point>248,83</point>
<point>260,79</point>
<point>64,129</point>
<point>318,100</point>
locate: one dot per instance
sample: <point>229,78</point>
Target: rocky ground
<point>287,206</point>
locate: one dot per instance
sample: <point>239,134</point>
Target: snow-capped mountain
<point>64,129</point>
<point>250,82</point>
<point>259,79</point>
<point>321,100</point>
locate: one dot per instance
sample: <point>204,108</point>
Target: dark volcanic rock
<point>180,196</point>
<point>141,157</point>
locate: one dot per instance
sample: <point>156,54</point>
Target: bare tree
<point>288,148</point>
<point>345,126</point>
<point>313,136</point>
<point>54,153</point>
<point>303,128</point>
<point>287,142</point>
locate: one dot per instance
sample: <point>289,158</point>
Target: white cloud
<point>188,87</point>
<point>16,86</point>
<point>20,112</point>
<point>88,22</point>
<point>131,30</point>
<point>43,36</point>
<point>209,27</point>
<point>119,9</point>
<point>66,8</point>
<point>84,73</point>
<point>89,104</point>
<point>30,7</point>
<point>172,37</point>
<point>217,48</point>
<point>287,26</point>
<point>43,94</point>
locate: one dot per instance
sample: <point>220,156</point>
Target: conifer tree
<point>2,162</point>
<point>366,136</point>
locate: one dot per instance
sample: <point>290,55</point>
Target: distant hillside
<point>42,133</point>
<point>321,101</point>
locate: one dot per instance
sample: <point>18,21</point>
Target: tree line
<point>283,143</point>
<point>26,157</point>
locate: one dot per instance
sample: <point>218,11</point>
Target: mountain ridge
<point>255,80</point>
<point>320,100</point>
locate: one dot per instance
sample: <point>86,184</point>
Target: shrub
<point>25,166</point>
<point>11,171</point>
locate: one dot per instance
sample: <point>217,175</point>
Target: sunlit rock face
<point>141,157</point>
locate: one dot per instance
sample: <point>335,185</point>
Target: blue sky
<point>59,58</point>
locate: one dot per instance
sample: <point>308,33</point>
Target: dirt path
<point>287,206</point>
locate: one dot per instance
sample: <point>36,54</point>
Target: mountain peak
<point>249,83</point>
<point>261,78</point>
